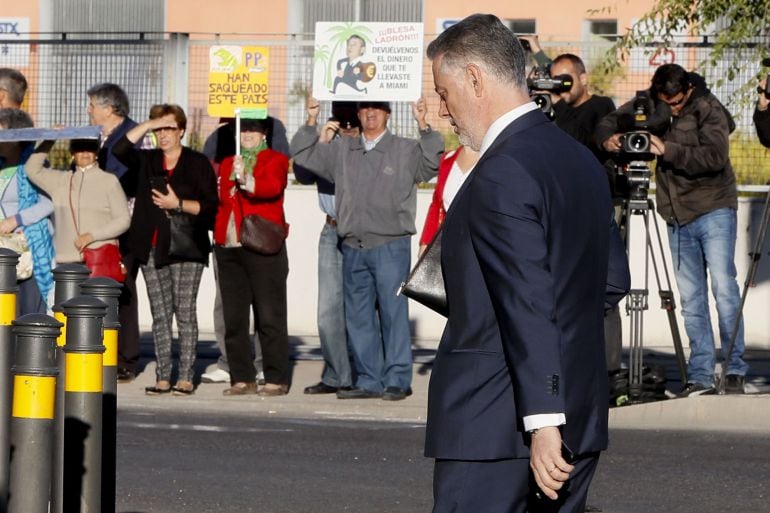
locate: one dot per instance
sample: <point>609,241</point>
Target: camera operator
<point>762,113</point>
<point>697,197</point>
<point>576,110</point>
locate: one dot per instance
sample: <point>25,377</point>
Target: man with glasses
<point>697,197</point>
<point>108,107</point>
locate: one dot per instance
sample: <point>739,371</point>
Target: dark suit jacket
<point>525,253</point>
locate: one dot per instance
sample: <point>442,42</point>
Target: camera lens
<point>638,142</point>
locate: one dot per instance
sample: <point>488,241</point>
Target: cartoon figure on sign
<point>350,70</point>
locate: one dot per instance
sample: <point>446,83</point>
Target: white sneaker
<point>260,378</point>
<point>216,376</point>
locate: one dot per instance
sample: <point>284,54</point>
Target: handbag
<point>182,238</point>
<point>17,242</point>
<point>103,261</point>
<point>425,284</point>
<point>260,235</point>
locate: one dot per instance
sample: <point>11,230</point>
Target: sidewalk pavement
<point>736,413</point>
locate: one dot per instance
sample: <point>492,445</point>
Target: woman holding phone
<point>172,180</point>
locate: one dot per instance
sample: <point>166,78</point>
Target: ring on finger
<point>554,468</point>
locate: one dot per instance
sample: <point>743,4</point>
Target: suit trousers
<point>506,486</point>
<point>248,279</point>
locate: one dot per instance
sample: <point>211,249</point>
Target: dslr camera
<point>540,85</point>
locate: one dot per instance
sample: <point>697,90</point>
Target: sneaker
<point>696,389</point>
<point>216,376</point>
<point>734,384</point>
<point>260,378</point>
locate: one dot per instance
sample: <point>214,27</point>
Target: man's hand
<point>549,467</point>
<point>329,130</point>
<point>613,143</point>
<point>762,101</point>
<point>313,109</point>
<point>419,111</point>
<point>657,146</point>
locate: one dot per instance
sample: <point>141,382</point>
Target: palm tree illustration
<point>340,36</point>
<point>321,56</point>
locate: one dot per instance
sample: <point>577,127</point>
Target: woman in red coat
<point>453,169</point>
<point>253,183</point>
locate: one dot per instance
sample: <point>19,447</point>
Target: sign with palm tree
<point>373,61</point>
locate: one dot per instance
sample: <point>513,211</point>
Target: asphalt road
<point>172,463</point>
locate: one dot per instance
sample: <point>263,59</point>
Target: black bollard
<point>83,405</point>
<point>68,278</point>
<point>8,288</point>
<point>34,393</point>
<point>108,290</point>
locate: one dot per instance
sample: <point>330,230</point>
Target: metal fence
<point>156,67</point>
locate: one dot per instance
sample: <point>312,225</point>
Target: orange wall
<point>561,21</point>
<point>230,16</point>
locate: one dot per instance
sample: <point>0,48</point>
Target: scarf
<point>37,234</point>
<point>250,158</point>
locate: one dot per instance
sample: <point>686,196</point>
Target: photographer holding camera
<point>697,197</point>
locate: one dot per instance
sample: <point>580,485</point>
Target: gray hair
<point>14,83</point>
<point>482,38</point>
<point>15,118</point>
<point>111,95</point>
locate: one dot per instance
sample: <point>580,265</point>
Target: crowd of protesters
<point>166,210</point>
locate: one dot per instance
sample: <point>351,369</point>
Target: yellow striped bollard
<point>68,278</point>
<point>8,288</point>
<point>83,354</point>
<point>34,393</point>
<point>108,290</point>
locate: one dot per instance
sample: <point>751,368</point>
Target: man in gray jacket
<point>375,179</point>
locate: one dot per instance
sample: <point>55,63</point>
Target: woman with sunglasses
<point>172,180</point>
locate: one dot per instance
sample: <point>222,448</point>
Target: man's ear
<point>583,77</point>
<point>475,80</point>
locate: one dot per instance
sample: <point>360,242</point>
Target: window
<point>608,29</point>
<point>522,26</point>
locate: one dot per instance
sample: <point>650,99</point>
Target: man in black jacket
<point>698,199</point>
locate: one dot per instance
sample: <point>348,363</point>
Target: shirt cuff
<point>533,422</point>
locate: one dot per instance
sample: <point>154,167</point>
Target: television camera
<point>541,85</point>
<point>633,160</point>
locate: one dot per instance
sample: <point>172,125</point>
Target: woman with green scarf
<point>253,183</point>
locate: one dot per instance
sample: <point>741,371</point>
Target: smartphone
<point>159,184</point>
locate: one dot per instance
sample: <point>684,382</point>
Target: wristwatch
<point>178,208</point>
<point>426,130</point>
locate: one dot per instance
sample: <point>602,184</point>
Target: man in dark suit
<point>517,410</point>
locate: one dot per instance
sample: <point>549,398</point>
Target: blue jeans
<point>708,243</point>
<point>331,311</point>
<point>382,357</point>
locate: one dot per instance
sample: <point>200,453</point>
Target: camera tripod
<point>638,204</point>
<point>755,255</point>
